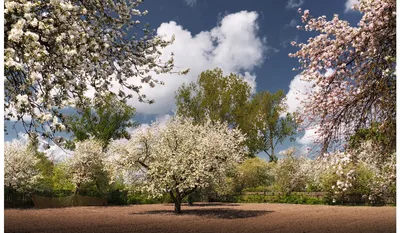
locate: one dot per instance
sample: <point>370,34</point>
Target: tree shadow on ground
<point>221,213</point>
<point>210,204</point>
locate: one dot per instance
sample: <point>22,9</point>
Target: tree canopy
<point>180,156</point>
<point>87,165</point>
<point>216,97</point>
<point>103,119</point>
<point>58,51</point>
<point>21,170</point>
<point>353,72</point>
<point>271,127</point>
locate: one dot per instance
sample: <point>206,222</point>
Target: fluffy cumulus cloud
<point>55,153</point>
<point>297,94</point>
<point>349,4</point>
<point>298,91</point>
<point>293,4</point>
<point>162,121</point>
<point>309,137</point>
<point>233,45</point>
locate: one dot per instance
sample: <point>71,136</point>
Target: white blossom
<point>58,50</point>
<point>20,171</point>
<point>179,157</point>
<point>86,160</point>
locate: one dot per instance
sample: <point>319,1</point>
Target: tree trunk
<point>177,206</point>
<point>190,200</point>
<point>273,156</point>
<point>77,188</point>
<point>76,193</point>
<point>177,201</point>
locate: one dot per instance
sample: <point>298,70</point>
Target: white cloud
<point>298,90</point>
<point>294,4</point>
<point>349,4</point>
<point>309,137</point>
<point>162,121</point>
<point>191,3</point>
<point>233,45</point>
<point>53,152</point>
<point>23,137</point>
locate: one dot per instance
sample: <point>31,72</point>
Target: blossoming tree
<point>293,173</point>
<point>57,50</point>
<point>364,172</point>
<point>20,166</point>
<point>180,156</point>
<point>361,90</point>
<point>87,164</point>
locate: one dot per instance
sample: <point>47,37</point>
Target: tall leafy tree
<point>45,166</point>
<point>272,129</point>
<point>216,97</point>
<point>103,119</point>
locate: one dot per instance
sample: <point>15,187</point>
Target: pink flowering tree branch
<point>361,90</point>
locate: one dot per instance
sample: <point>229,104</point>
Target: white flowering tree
<point>353,72</point>
<point>361,174</point>
<point>20,166</point>
<point>180,157</point>
<point>87,164</point>
<point>57,50</point>
<point>292,173</point>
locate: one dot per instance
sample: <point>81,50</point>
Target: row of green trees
<point>345,178</point>
<point>343,181</point>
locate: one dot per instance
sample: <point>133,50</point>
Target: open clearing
<point>214,217</point>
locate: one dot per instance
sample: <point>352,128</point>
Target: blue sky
<point>251,38</point>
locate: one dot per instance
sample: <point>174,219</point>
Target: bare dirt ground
<point>204,218</point>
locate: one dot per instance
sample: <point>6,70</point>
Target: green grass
<point>291,199</point>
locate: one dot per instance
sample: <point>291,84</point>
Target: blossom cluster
<point>352,69</point>
<point>361,174</point>
<point>58,50</point>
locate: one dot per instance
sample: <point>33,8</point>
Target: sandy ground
<point>204,218</point>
